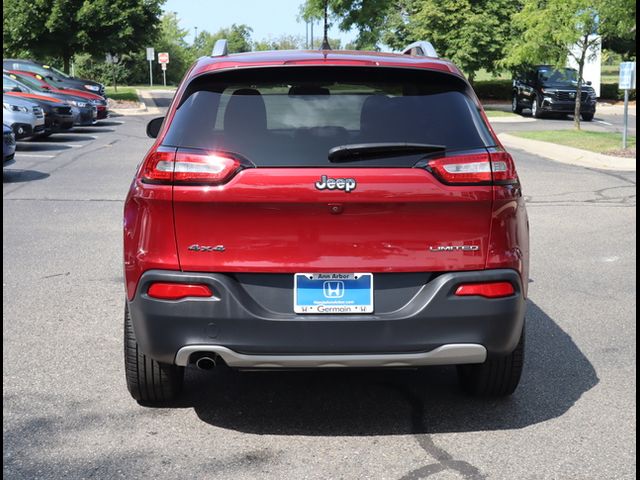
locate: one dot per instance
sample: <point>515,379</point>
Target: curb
<point>514,119</point>
<point>141,110</point>
<point>147,101</point>
<point>568,155</point>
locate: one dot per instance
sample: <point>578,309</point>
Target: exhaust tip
<point>206,363</point>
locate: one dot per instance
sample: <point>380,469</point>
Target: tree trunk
<point>471,77</point>
<point>583,55</point>
<point>325,39</point>
<point>66,59</point>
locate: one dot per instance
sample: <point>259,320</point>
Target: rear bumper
<point>433,327</point>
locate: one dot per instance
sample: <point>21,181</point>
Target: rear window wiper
<point>364,151</point>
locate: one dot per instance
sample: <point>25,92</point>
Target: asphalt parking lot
<point>67,413</point>
<point>608,118</point>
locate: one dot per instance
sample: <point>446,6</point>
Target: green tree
<point>238,38</point>
<point>62,28</point>
<point>283,42</point>
<point>619,28</point>
<point>293,42</point>
<point>366,16</point>
<point>470,33</point>
<point>173,40</point>
<point>551,32</point>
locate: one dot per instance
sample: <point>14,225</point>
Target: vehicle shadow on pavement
<point>107,123</point>
<point>92,129</point>
<point>391,402</point>
<point>41,147</point>
<point>60,138</point>
<point>19,176</point>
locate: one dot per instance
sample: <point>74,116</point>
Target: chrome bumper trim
<point>450,354</point>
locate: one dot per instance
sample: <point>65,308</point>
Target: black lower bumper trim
<point>233,319</point>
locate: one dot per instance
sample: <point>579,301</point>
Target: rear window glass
<point>293,116</point>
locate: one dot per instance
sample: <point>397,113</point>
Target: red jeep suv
<point>324,209</point>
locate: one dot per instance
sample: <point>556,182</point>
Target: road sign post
<point>626,82</point>
<point>163,59</point>
<point>113,60</point>
<point>150,56</point>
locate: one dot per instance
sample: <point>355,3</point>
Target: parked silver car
<point>24,117</point>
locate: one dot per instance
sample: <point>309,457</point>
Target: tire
<point>496,377</point>
<point>587,117</point>
<point>515,108</point>
<point>535,108</point>
<point>149,382</point>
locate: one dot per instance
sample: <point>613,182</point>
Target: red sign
<point>163,57</point>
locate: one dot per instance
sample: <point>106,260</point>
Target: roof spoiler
<point>422,49</point>
<point>220,48</point>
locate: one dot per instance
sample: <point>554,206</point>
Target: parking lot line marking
<point>72,145</point>
<point>604,123</point>
<point>21,154</point>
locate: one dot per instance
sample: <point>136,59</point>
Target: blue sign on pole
<point>627,79</point>
<point>626,82</point>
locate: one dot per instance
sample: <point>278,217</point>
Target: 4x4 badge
<point>328,183</point>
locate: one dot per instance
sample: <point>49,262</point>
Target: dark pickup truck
<point>545,89</point>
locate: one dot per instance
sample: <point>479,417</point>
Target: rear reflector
<point>176,291</point>
<point>182,167</point>
<point>488,290</point>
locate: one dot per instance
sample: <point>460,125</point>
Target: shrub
<point>90,68</point>
<point>493,89</point>
<point>609,91</point>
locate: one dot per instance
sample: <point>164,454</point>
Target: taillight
<point>503,168</point>
<point>463,169</point>
<point>488,290</point>
<point>176,291</point>
<point>158,167</point>
<point>210,168</point>
<point>187,167</point>
<point>478,168</point>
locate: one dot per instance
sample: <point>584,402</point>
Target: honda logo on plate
<point>333,289</point>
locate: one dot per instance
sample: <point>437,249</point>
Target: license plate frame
<point>333,293</point>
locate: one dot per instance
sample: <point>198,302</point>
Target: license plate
<point>333,293</point>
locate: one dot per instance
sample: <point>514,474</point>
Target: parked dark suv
<point>545,89</point>
<point>321,209</point>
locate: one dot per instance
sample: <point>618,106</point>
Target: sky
<point>267,18</point>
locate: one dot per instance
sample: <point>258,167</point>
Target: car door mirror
<point>153,127</point>
<point>16,89</point>
<point>589,82</point>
